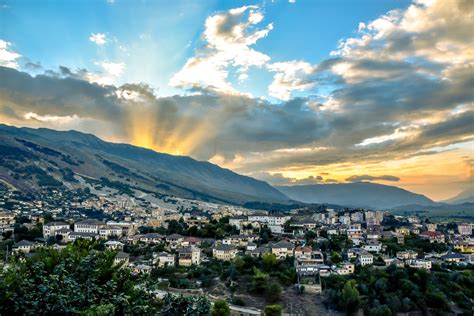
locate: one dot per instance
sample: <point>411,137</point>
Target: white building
<point>373,246</point>
<point>50,229</point>
<point>164,259</point>
<point>107,232</point>
<point>88,226</point>
<point>365,258</point>
<point>465,229</point>
<point>419,264</point>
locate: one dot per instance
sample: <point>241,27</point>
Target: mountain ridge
<point>356,194</point>
<point>144,167</point>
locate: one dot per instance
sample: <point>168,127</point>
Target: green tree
<point>350,298</point>
<point>220,308</point>
<point>273,292</point>
<point>272,310</point>
<point>383,310</point>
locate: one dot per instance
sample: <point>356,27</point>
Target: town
<point>251,259</point>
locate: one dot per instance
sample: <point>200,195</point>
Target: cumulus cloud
<point>98,38</point>
<point>8,58</point>
<point>372,178</point>
<point>290,76</point>
<point>229,38</point>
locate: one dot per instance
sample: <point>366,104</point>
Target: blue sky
<point>155,38</point>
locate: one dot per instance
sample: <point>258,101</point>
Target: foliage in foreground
<point>397,290</point>
<point>81,280</point>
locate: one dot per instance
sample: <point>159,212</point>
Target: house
<point>88,226</point>
<point>114,245</point>
<point>174,240</point>
<point>164,259</point>
<point>407,255</point>
<point>107,232</point>
<point>122,258</point>
<point>151,238</point>
<point>50,229</point>
<point>82,235</point>
<point>282,249</point>
<point>24,246</point>
<point>344,268</point>
<point>419,264</point>
<point>188,256</point>
<point>224,252</point>
<point>237,220</point>
<point>432,236</point>
<point>251,246</point>
<point>365,258</point>
<point>465,229</point>
<point>303,252</point>
<point>64,234</point>
<point>260,251</point>
<point>191,241</point>
<point>454,257</point>
<point>141,268</point>
<point>373,246</point>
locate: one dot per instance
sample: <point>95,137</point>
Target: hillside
<point>466,196</point>
<point>31,159</point>
<point>358,194</point>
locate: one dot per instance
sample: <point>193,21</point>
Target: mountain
<point>466,196</point>
<point>31,159</point>
<point>357,194</point>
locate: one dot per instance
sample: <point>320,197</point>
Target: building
<point>373,246</point>
<point>164,259</point>
<point>419,264</point>
<point>174,240</point>
<point>432,236</point>
<point>122,258</point>
<point>151,238</point>
<point>465,229</point>
<point>365,258</point>
<point>24,246</point>
<point>188,256</point>
<point>107,232</point>
<point>224,252</point>
<point>114,245</point>
<point>88,226</point>
<point>79,235</point>
<point>282,249</point>
<point>50,229</point>
<point>344,268</point>
<point>407,255</point>
<point>454,257</point>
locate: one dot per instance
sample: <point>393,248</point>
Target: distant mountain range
<point>358,194</point>
<point>31,159</point>
<point>34,158</point>
<point>466,196</point>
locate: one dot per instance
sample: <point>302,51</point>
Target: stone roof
<point>22,243</point>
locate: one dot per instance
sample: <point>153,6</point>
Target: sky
<point>290,92</point>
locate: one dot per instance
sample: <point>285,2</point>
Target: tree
<point>269,261</point>
<point>273,291</point>
<point>74,280</point>
<point>350,298</point>
<point>272,310</point>
<point>335,257</point>
<point>383,310</point>
<point>220,308</point>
